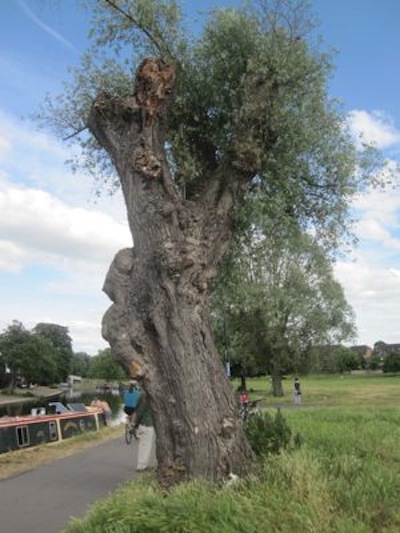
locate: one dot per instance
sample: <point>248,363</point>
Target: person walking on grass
<point>146,457</point>
<point>297,391</point>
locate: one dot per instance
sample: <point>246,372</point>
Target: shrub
<point>268,434</point>
<point>392,362</point>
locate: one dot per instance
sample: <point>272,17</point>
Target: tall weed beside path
<point>249,507</point>
<point>292,494</point>
<point>359,453</point>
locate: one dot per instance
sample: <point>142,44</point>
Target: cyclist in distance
<point>131,399</point>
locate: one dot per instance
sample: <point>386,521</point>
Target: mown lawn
<point>336,390</point>
<point>345,478</point>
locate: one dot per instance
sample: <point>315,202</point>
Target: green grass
<point>345,478</point>
<point>335,390</point>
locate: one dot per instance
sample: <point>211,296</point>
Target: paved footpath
<point>44,499</point>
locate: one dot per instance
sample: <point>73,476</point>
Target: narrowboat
<point>59,422</point>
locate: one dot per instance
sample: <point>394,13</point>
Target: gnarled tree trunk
<point>158,326</point>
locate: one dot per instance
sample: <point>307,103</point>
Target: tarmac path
<point>44,499</point>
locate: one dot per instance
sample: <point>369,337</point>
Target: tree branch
<point>77,132</point>
<point>160,44</point>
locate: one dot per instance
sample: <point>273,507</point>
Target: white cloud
<point>36,160</point>
<point>371,277</point>
<point>84,323</point>
<point>11,256</point>
<point>53,261</point>
<point>378,214</point>
<point>56,244</point>
<point>374,293</point>
<point>376,128</point>
<point>42,225</point>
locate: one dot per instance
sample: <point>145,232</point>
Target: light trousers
<point>146,457</point>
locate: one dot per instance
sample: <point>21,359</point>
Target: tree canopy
<point>250,89</point>
<point>58,337</point>
<point>103,366</point>
<point>28,356</point>
<point>392,361</point>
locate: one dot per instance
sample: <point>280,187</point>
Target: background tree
<point>58,337</point>
<point>227,336</point>
<point>29,357</point>
<point>80,364</point>
<point>392,362</point>
<point>332,358</point>
<point>348,361</point>
<point>282,297</point>
<point>204,117</point>
<point>104,366</point>
<point>5,378</point>
<point>13,341</point>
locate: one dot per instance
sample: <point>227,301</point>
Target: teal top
<point>131,397</point>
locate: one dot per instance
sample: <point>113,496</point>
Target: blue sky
<point>57,240</point>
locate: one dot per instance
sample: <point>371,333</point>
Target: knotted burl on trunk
<point>117,325</point>
<point>154,84</point>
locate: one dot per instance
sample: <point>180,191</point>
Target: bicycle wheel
<point>128,433</point>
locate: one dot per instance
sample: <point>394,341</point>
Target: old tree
<point>190,123</point>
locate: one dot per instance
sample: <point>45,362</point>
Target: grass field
<point>336,390</point>
<point>345,478</point>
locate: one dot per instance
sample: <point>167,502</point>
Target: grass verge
<point>345,478</point>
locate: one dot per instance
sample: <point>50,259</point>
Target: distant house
<point>74,379</point>
<point>382,349</point>
<point>363,351</point>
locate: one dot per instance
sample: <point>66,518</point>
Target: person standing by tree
<point>244,397</point>
<point>105,407</point>
<point>147,437</point>
<point>297,391</point>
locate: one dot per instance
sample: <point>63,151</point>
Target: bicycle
<point>130,430</point>
<point>249,409</point>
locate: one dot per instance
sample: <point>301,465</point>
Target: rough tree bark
<point>276,378</point>
<point>158,326</point>
<point>277,388</point>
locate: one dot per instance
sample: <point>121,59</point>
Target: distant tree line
<point>321,359</point>
<point>44,356</point>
